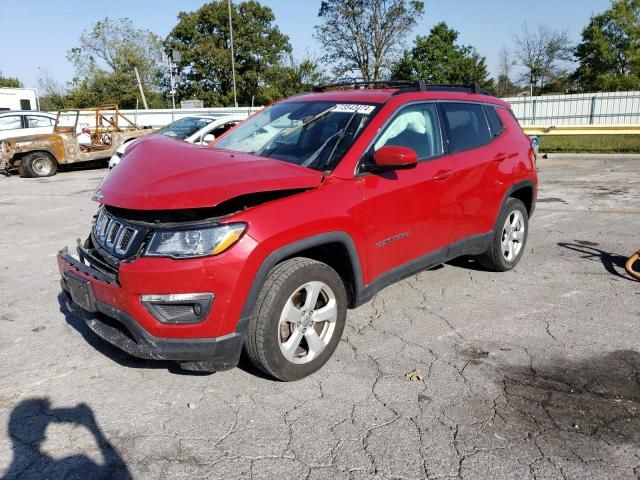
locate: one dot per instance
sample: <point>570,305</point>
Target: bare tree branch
<point>364,37</point>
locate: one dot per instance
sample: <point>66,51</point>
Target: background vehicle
<point>22,123</point>
<point>41,155</point>
<point>199,129</point>
<point>19,99</point>
<point>308,208</point>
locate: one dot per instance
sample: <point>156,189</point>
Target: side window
<point>416,127</point>
<point>38,121</point>
<point>467,126</point>
<point>10,122</point>
<point>495,123</point>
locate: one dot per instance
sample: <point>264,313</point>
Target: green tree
<point>9,82</point>
<point>105,64</point>
<point>292,77</point>
<point>609,53</point>
<point>364,37</point>
<point>438,58</point>
<point>203,40</point>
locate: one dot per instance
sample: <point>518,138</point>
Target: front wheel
<point>509,237</point>
<point>38,164</point>
<point>298,321</point>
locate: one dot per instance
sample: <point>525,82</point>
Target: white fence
<point>614,108</point>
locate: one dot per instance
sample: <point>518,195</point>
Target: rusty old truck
<point>79,135</point>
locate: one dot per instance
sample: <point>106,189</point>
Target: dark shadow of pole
<point>610,261</point>
<point>28,424</point>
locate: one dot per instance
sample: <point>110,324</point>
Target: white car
<point>20,123</point>
<point>200,130</point>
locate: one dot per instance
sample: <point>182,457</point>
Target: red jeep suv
<point>263,240</point>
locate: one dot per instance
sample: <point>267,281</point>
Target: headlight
<point>200,242</point>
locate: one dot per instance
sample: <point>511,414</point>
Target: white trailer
<point>19,99</point>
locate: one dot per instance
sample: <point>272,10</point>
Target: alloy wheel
<point>307,322</point>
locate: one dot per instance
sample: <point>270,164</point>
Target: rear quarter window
<point>466,124</point>
<point>495,123</point>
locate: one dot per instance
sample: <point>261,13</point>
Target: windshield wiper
<point>341,134</point>
<point>305,122</point>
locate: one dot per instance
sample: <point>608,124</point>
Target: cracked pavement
<point>533,373</point>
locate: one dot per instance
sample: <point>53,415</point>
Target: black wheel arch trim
<point>291,249</point>
<point>515,187</point>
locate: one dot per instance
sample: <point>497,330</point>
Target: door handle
<point>443,175</point>
<point>501,157</point>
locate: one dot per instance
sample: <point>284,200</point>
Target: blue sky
<point>37,33</point>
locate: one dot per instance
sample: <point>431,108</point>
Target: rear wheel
<point>509,238</point>
<point>38,164</point>
<point>298,320</point>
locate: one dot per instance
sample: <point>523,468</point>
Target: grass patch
<point>590,143</point>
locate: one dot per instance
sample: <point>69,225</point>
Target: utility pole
<point>169,63</point>
<point>144,99</point>
<point>233,61</point>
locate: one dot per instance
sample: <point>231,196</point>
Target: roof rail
<point>373,83</point>
<point>405,86</point>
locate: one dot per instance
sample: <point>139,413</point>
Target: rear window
<point>466,124</point>
<point>36,121</point>
<point>495,123</point>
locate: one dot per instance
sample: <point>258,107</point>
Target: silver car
<point>200,129</point>
<point>20,123</point>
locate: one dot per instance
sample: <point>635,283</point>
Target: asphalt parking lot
<point>533,373</point>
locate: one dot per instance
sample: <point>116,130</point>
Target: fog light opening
<point>178,309</point>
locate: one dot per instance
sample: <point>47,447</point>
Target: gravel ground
<point>528,374</point>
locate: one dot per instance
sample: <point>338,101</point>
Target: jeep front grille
<point>118,237</point>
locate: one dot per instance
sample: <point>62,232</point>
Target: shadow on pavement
<point>611,261</point>
<point>28,424</point>
<point>592,397</point>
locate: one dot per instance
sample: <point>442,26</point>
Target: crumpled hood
<point>159,173</point>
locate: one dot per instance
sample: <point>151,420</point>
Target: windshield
<point>311,134</point>
<point>185,127</point>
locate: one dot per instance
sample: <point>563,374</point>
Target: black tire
<point>38,164</point>
<point>494,258</point>
<point>262,343</point>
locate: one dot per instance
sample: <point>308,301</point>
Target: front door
<point>408,213</point>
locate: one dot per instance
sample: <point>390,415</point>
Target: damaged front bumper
<point>114,325</point>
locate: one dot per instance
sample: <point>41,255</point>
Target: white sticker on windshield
<point>351,107</point>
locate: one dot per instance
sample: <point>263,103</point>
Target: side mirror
<point>392,157</point>
<point>208,138</point>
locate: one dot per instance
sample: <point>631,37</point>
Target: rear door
<point>478,157</point>
<point>408,213</point>
<point>38,124</point>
